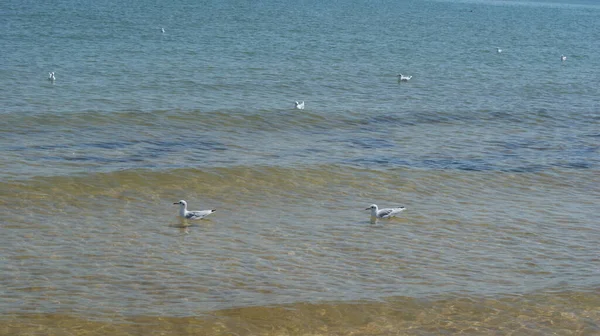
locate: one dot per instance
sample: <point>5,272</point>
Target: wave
<point>282,117</point>
<point>299,184</point>
<point>76,143</point>
<point>209,180</point>
<point>549,312</point>
<point>281,176</point>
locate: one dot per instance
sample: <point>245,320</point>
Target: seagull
<point>299,106</point>
<point>51,76</point>
<point>563,58</point>
<point>498,50</point>
<point>162,30</point>
<point>184,213</point>
<point>402,78</point>
<point>383,213</point>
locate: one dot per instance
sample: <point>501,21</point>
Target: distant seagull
<point>299,106</point>
<point>498,50</point>
<point>184,213</point>
<point>563,58</point>
<point>162,30</point>
<point>383,213</point>
<point>402,78</point>
<point>51,76</point>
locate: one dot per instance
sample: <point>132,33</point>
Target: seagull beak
<point>176,203</point>
<point>368,209</point>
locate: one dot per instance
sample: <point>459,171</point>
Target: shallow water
<point>534,314</point>
<point>495,156</point>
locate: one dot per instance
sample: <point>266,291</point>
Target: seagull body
<point>162,30</point>
<point>299,106</point>
<point>184,213</point>
<point>498,50</point>
<point>403,78</point>
<point>51,76</point>
<point>563,58</point>
<point>383,213</point>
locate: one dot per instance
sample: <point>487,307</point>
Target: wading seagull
<point>183,212</point>
<point>402,78</point>
<point>299,106</point>
<point>563,58</point>
<point>383,213</point>
<point>51,76</point>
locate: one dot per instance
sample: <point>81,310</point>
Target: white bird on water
<point>403,78</point>
<point>162,30</point>
<point>377,213</point>
<point>299,106</point>
<point>184,213</point>
<point>563,58</point>
<point>498,50</point>
<point>51,76</point>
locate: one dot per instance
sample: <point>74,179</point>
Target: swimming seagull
<point>498,50</point>
<point>402,78</point>
<point>162,30</point>
<point>299,106</point>
<point>383,213</point>
<point>51,76</point>
<point>563,58</point>
<point>184,213</point>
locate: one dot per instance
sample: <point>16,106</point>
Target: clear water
<point>495,156</point>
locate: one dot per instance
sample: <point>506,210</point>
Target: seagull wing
<point>198,214</point>
<point>387,213</point>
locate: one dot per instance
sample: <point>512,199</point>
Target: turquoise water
<point>249,62</point>
<point>495,156</point>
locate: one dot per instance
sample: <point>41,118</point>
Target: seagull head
<point>372,206</point>
<point>182,202</point>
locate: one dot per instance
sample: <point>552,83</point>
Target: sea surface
<point>495,155</point>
